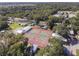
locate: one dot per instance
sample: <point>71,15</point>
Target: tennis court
<point>39,36</point>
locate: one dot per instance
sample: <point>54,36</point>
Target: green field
<point>15,26</point>
<point>77,52</point>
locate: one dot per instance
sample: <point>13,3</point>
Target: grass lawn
<point>77,52</point>
<point>15,26</point>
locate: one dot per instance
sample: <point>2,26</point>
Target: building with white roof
<point>23,30</point>
<point>59,37</point>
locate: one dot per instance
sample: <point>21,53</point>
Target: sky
<point>39,0</point>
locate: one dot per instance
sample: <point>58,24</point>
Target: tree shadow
<point>74,41</point>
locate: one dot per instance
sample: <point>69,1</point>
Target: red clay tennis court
<point>39,36</point>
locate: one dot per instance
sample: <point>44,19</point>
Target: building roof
<point>59,36</point>
<point>71,31</point>
<point>22,30</point>
<point>34,47</point>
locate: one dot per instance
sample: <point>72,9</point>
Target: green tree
<point>16,49</point>
<point>54,49</point>
<point>11,44</point>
